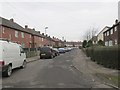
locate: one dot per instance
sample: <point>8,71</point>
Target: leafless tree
<point>90,33</point>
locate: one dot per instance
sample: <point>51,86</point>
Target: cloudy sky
<point>68,19</point>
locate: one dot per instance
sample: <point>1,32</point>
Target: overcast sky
<point>68,19</point>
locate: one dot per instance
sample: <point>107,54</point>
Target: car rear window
<point>45,49</point>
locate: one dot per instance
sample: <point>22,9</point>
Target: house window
<point>111,31</point>
<point>107,33</point>
<point>116,28</point>
<point>30,35</point>
<point>110,43</point>
<point>106,43</point>
<point>42,39</point>
<point>3,30</point>
<point>22,34</point>
<point>16,33</point>
<point>115,41</point>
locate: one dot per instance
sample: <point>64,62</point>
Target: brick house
<point>37,38</point>
<point>111,35</point>
<point>27,37</point>
<point>14,32</point>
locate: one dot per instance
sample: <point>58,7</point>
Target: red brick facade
<point>111,36</point>
<point>9,33</point>
<point>28,38</point>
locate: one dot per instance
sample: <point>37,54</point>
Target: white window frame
<point>3,30</point>
<point>115,28</point>
<point>22,34</point>
<point>16,33</point>
<point>111,31</point>
<point>42,39</point>
<point>116,42</point>
<point>107,33</point>
<point>30,35</point>
<point>110,43</point>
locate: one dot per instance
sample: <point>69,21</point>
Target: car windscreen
<point>45,49</point>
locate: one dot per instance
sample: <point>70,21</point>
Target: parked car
<point>56,51</point>
<point>61,50</point>
<point>11,56</point>
<point>46,52</point>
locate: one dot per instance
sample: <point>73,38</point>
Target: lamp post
<point>45,30</point>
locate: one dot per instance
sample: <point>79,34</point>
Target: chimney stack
<point>38,32</point>
<point>26,26</point>
<point>12,20</point>
<point>43,34</point>
<point>34,29</point>
<point>116,21</point>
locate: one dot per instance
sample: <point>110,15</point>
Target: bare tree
<point>90,33</point>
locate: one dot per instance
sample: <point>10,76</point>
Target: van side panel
<point>11,54</point>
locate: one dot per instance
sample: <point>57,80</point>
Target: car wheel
<point>51,56</point>
<point>8,72</point>
<point>24,64</point>
<point>41,58</point>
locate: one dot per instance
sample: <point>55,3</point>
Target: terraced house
<point>111,36</point>
<point>27,37</point>
<point>14,32</point>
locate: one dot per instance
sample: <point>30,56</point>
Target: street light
<point>45,30</point>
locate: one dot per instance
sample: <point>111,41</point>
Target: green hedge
<point>106,56</point>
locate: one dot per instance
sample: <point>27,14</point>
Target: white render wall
<point>100,35</point>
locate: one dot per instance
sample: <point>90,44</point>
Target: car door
<point>22,55</point>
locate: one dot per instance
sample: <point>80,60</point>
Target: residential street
<point>60,72</point>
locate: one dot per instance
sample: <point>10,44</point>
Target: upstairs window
<point>30,35</point>
<point>107,33</point>
<point>3,30</point>
<point>16,33</point>
<point>115,28</point>
<point>111,31</point>
<point>22,34</point>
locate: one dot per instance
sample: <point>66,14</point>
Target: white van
<point>11,56</point>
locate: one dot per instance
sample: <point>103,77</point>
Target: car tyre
<point>8,72</point>
<point>51,56</point>
<point>24,64</point>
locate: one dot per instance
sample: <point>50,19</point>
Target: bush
<point>106,56</point>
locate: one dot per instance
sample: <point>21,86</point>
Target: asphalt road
<point>50,73</point>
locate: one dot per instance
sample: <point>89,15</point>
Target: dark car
<point>46,52</point>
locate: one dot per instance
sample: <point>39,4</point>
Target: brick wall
<point>9,33</point>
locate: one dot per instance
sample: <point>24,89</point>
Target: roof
<point>10,24</point>
<point>14,25</point>
<point>112,27</point>
<point>103,29</point>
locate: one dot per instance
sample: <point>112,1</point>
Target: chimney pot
<point>12,20</point>
<point>34,29</point>
<point>42,33</point>
<point>26,26</point>
<point>38,32</point>
<point>116,21</point>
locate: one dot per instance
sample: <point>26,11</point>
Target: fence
<point>31,52</point>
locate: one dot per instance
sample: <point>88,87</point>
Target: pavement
<point>31,59</point>
<point>69,70</point>
<point>95,71</point>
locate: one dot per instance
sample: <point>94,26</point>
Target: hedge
<point>106,56</point>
